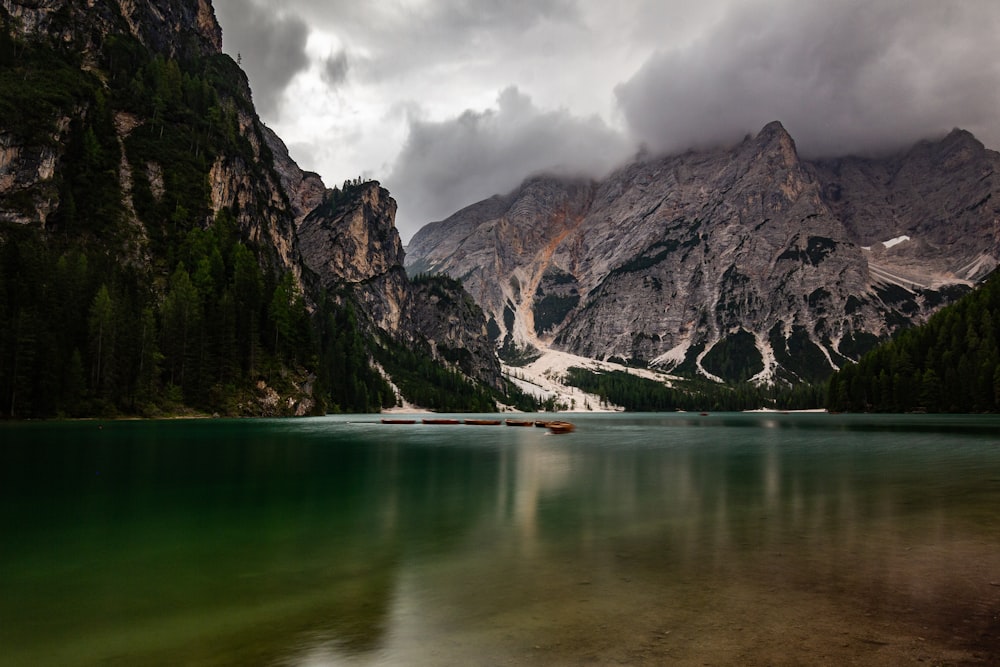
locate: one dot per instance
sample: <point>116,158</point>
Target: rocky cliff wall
<point>172,28</point>
<point>741,263</point>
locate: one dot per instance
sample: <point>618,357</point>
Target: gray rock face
<point>940,194</point>
<point>351,243</point>
<point>169,27</point>
<point>447,319</point>
<point>354,245</point>
<point>748,263</point>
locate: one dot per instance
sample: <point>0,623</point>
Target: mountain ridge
<point>752,248</point>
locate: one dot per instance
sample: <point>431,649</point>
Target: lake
<point>639,539</point>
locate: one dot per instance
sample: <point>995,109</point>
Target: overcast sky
<point>447,102</point>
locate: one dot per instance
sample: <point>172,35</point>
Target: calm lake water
<point>726,539</point>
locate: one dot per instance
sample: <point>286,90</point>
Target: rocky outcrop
<point>353,243</point>
<point>305,189</point>
<point>27,190</point>
<point>446,317</point>
<point>350,241</point>
<point>172,28</point>
<point>747,263</point>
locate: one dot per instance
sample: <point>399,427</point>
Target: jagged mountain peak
<point>957,148</point>
<point>776,138</point>
<point>744,263</point>
<point>775,132</point>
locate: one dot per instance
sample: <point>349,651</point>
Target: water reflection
<point>638,539</point>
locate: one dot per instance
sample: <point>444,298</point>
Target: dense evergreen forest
<point>950,364</point>
<point>99,317</point>
<point>644,395</point>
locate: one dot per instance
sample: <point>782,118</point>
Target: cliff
<point>741,263</point>
<point>136,175</point>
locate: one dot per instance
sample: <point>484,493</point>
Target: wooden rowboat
<point>518,422</point>
<point>440,421</point>
<point>399,421</point>
<point>560,427</point>
<point>483,422</point>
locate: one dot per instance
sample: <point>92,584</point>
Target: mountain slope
<point>160,250</point>
<point>746,263</point>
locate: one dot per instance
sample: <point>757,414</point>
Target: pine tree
<point>102,340</point>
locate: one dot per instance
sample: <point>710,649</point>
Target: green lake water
<point>723,539</point>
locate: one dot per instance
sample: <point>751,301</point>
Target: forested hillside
<point>127,284</point>
<point>950,364</point>
<point>635,393</point>
<point>83,334</point>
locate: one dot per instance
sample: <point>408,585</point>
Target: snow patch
<point>543,378</point>
<point>978,267</point>
<point>890,243</point>
<point>701,369</point>
<point>882,275</point>
<point>896,241</point>
<point>673,357</point>
<point>770,361</point>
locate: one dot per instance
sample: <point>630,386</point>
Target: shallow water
<point>726,539</point>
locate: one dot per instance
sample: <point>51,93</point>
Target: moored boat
<point>518,422</point>
<point>440,421</point>
<point>399,421</point>
<point>483,422</point>
<point>560,427</point>
<point>541,423</point>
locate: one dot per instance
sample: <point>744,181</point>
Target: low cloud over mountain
<point>844,77</point>
<point>405,92</point>
<point>445,165</point>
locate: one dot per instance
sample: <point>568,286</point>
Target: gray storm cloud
<point>271,46</point>
<point>447,165</point>
<point>844,76</point>
<point>335,69</point>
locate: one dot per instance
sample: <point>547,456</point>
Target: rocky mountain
<point>741,263</point>
<point>349,242</point>
<point>138,185</point>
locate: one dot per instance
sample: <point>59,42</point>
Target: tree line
<point>949,364</point>
<point>640,394</point>
<point>82,335</point>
